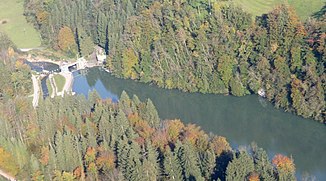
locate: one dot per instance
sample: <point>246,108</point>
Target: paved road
<point>7,176</point>
<point>36,91</point>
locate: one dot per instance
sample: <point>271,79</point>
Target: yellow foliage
<point>66,39</point>
<point>11,52</point>
<point>7,162</point>
<point>129,61</point>
<point>174,127</point>
<point>219,144</point>
<point>42,17</point>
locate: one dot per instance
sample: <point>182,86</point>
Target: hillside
<point>14,24</point>
<point>304,8</point>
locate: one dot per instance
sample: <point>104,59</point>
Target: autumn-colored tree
<point>90,155</point>
<point>192,134</point>
<point>129,63</point>
<point>7,162</point>
<point>253,177</point>
<point>106,160</point>
<point>42,17</point>
<point>283,163</point>
<point>66,40</point>
<point>45,153</point>
<point>173,128</point>
<point>285,167</point>
<point>219,145</point>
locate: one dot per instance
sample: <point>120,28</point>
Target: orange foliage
<point>78,172</point>
<point>192,133</point>
<point>160,139</point>
<point>140,126</point>
<point>66,39</point>
<point>106,160</point>
<point>134,118</point>
<point>143,129</point>
<point>219,145</point>
<point>90,154</point>
<point>283,163</point>
<point>45,155</point>
<point>253,177</point>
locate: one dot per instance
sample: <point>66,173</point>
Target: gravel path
<point>36,94</point>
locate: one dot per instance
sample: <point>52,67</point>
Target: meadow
<point>15,25</point>
<point>304,8</point>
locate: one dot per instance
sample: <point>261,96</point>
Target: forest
<point>74,138</point>
<point>197,46</point>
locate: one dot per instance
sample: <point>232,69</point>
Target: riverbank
<point>241,119</point>
<point>7,176</point>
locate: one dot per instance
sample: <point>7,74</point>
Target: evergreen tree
<point>172,167</point>
<point>240,167</point>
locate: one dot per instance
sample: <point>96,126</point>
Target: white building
<point>100,54</point>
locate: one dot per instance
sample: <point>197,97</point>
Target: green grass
<point>16,27</point>
<point>304,8</point>
<point>59,81</point>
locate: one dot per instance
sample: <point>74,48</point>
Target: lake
<point>241,120</point>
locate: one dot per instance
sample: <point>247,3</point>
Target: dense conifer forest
<point>197,46</point>
<point>74,138</point>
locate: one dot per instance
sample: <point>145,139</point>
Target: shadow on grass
<point>319,14</point>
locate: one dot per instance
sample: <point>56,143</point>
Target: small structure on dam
<point>80,64</point>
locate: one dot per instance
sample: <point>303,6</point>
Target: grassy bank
<point>59,81</point>
<point>13,23</point>
<point>304,8</point>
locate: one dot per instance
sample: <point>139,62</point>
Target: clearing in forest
<point>304,8</point>
<point>14,24</point>
<point>59,81</point>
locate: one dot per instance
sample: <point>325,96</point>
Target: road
<point>68,84</point>
<point>36,94</point>
<point>7,176</point>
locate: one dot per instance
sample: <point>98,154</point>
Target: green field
<point>59,81</point>
<point>304,8</point>
<point>13,23</point>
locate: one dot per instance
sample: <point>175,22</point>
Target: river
<point>241,120</point>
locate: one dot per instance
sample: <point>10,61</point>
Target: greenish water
<point>241,120</point>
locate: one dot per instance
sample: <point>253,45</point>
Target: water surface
<point>241,120</point>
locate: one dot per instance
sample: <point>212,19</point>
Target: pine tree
<point>151,115</point>
<point>172,167</point>
<point>262,163</point>
<point>207,162</point>
<point>240,167</point>
<point>150,164</point>
<point>189,161</point>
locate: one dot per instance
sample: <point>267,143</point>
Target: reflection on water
<point>40,66</point>
<point>45,89</point>
<point>241,120</point>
